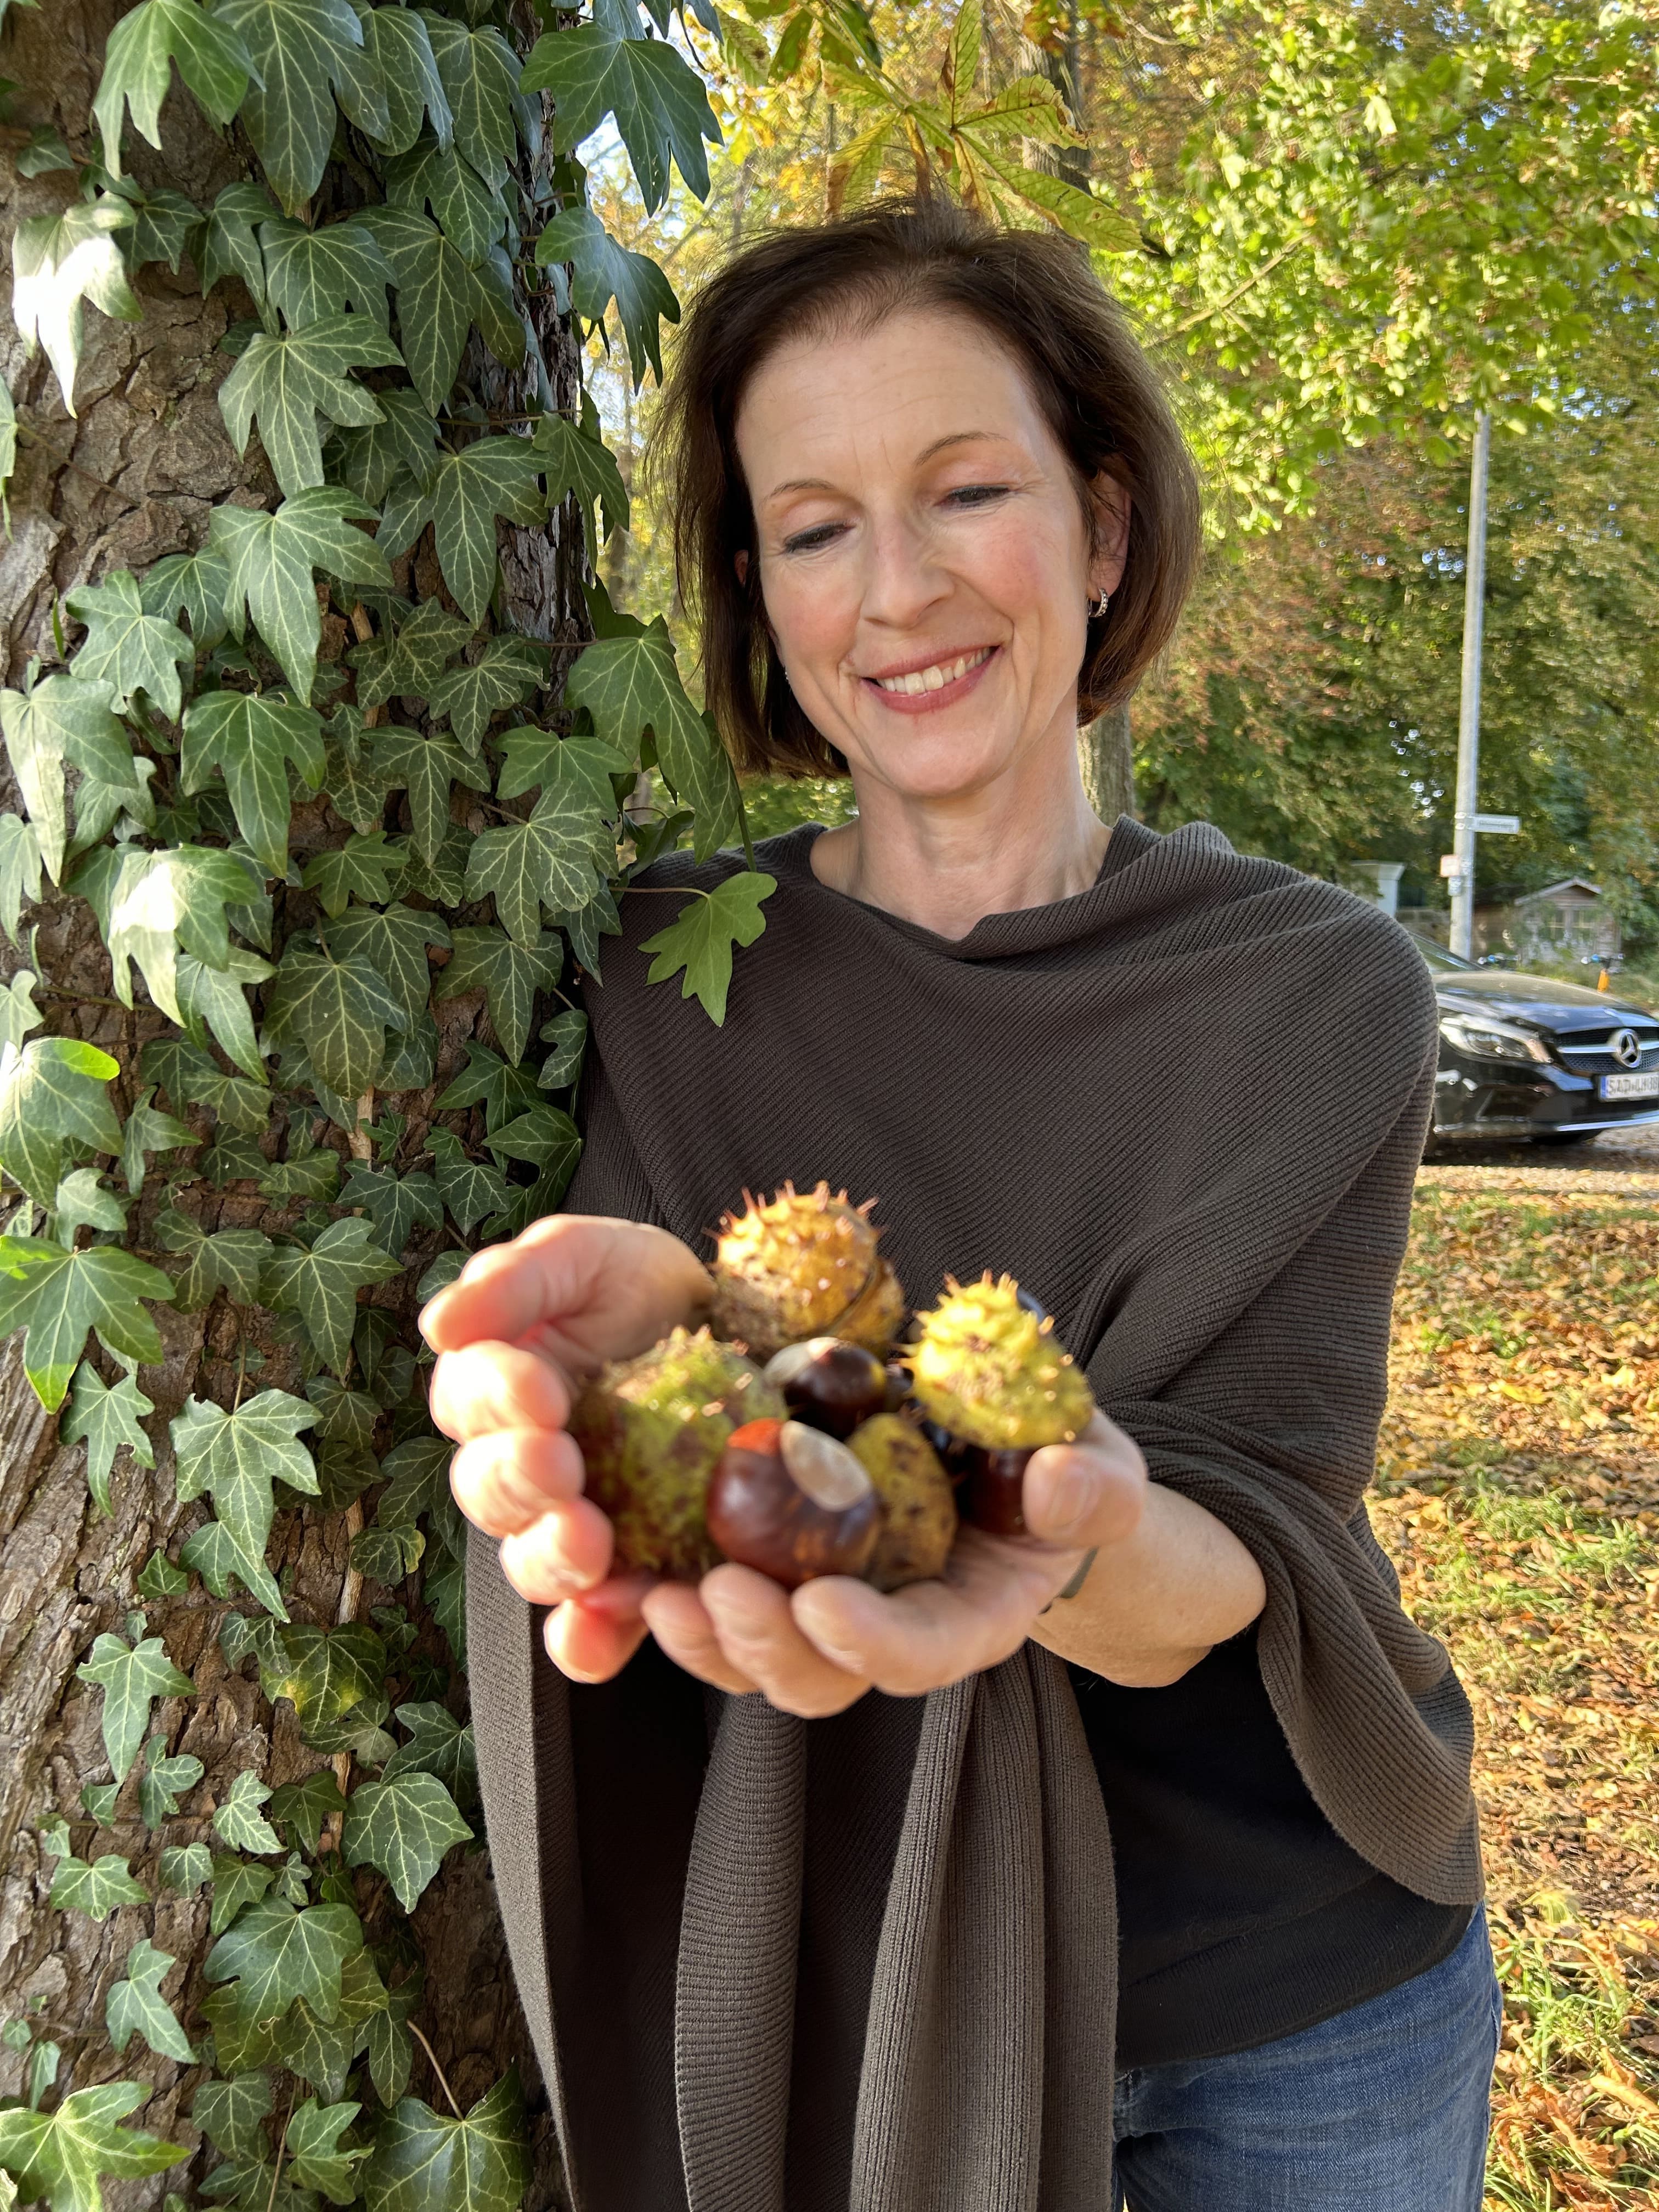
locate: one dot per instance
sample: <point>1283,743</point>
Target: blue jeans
<point>1383,2109</point>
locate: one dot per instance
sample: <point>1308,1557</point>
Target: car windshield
<point>1436,955</point>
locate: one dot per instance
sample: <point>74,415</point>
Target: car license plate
<point>1645,1086</point>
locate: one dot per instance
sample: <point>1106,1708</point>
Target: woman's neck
<point>947,863</point>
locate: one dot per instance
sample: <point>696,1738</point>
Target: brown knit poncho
<point>869,1962</point>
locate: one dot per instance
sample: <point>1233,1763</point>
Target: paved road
<point>1613,1162</point>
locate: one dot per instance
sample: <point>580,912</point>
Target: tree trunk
<point>1107,759</point>
<point>135,477</point>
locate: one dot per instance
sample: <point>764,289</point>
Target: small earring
<point>1098,607</point>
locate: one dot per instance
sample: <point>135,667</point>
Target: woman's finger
<point>680,1623</point>
<point>565,1552</point>
<point>1091,1493</point>
<point>759,1635</point>
<point>591,1638</point>
<point>505,1481</point>
<point>492,1386</point>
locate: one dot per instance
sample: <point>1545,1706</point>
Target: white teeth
<point>936,678</point>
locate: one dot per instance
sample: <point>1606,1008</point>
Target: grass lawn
<point>1519,1494</point>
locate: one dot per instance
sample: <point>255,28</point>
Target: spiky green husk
<point>919,1507</point>
<point>988,1371</point>
<point>804,1265</point>
<point>650,1431</point>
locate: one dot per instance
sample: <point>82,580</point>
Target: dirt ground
<point>1519,1494</point>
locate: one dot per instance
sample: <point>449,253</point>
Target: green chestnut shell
<point>919,1507</point>
<point>652,1430</point>
<point>988,1369</point>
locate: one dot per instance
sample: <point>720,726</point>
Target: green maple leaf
<point>233,1458</point>
<point>469,1189</point>
<point>701,937</point>
<point>578,463</point>
<point>229,2113</point>
<point>509,973</point>
<point>211,998</point>
<point>365,867</point>
<point>404,1827</point>
<point>20,869</point>
<point>57,1296</point>
<point>495,476</point>
<point>304,54</point>
<point>63,719</point>
<point>104,1417</point>
<point>125,647</point>
<point>480,76</point>
<point>276,1954</point>
<point>287,382</point>
<point>404,438</point>
<point>425,767</point>
<point>338,1010</point>
<point>236,1882</point>
<point>489,1081</point>
<point>58,261</point>
<point>146,1130</point>
<point>424,2162</point>
<point>439,1744</point>
<point>313,276</point>
<point>192,584</point>
<point>138,58</point>
<point>157,905</point>
<point>559,857</point>
<point>239,1820</point>
<point>315,2158</point>
<point>401,48</point>
<point>136,2006</point>
<point>568,1035</point>
<point>271,559</point>
<point>395,1204</point>
<point>321,1285</point>
<point>131,1677</point>
<point>601,270</point>
<point>629,685</point>
<point>305,1805</point>
<point>52,1093</point>
<point>438,298</point>
<point>192,1077</point>
<point>661,110</point>
<point>164,1780</point>
<point>471,214</point>
<point>185,1867</point>
<point>250,738</point>
<point>60,2157</point>
<point>230,1260</point>
<point>504,674</point>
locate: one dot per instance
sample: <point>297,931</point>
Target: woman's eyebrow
<point>938,446</point>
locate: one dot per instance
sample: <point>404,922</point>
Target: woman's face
<point>924,561</point>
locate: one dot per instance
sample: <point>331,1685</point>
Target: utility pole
<point>1468,713</point>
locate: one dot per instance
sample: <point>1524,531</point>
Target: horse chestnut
<point>792,1503</point>
<point>829,1383</point>
<point>993,1490</point>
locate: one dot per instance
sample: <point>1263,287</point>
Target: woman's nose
<point>905,577</point>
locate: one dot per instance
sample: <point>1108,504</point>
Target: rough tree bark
<point>134,478</point>
<point>1107,758</point>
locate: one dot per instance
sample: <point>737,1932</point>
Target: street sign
<point>1498,825</point>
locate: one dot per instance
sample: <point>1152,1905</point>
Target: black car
<point>1524,1056</point>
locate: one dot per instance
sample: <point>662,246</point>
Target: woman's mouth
<point>930,682</point>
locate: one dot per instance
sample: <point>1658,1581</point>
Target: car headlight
<point>1489,1040</point>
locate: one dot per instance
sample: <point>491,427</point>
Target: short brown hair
<point>1032,291</point>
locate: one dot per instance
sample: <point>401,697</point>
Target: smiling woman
<point>1046,1881</point>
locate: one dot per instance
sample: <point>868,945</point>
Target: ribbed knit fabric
<point>778,1966</point>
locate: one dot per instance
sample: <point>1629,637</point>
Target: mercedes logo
<point>1627,1048</point>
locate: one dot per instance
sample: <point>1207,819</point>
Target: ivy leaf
<point>302,52</point>
<point>413,661</point>
<point>493,476</point>
<point>424,2162</point>
<point>315,2158</point>
<point>104,1417</point>
<point>394,1204</point>
<point>305,1805</point>
<point>131,1677</point>
<point>164,1780</point>
<point>661,110</point>
<point>439,1744</point>
<point>510,974</point>
<point>419,1486</point>
<point>630,684</point>
<point>443,878</point>
<point>82,1202</point>
<point>321,1285</point>
<point>139,57</point>
<point>313,276</point>
<point>701,938</point>
<point>56,1296</point>
<point>51,1092</point>
<point>469,1189</point>
<point>365,866</point>
<point>211,998</point>
<point>437,299</point>
<point>230,243</point>
<point>313,1174</point>
<point>230,1260</point>
<point>480,75</point>
<point>125,647</point>
<point>20,869</point>
<point>577,463</point>
<point>546,1138</point>
<point>287,382</point>
<point>568,1035</point>
<point>334,1680</point>
<point>401,50</point>
<point>271,557</point>
<point>338,1010</point>
<point>64,719</point>
<point>164,901</point>
<point>486,1080</point>
<point>96,1890</point>
<point>136,2005</point>
<point>236,1882</point>
<point>602,271</point>
<point>276,1954</point>
<point>404,1827</point>
<point>160,1578</point>
<point>425,767</point>
<point>558,856</point>
<point>233,1458</point>
<point>185,1867</point>
<point>250,738</point>
<point>58,261</point>
<point>146,1130</point>
<point>387,1555</point>
<point>60,2156</point>
<point>191,1077</point>
<point>18,1013</point>
<point>471,214</point>
<point>404,438</point>
<point>504,675</point>
<point>240,1823</point>
<point>229,2113</point>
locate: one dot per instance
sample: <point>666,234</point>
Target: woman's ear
<point>1111,501</point>
<point>741,562</point>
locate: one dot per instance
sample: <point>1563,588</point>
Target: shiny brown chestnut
<point>792,1503</point>
<point>829,1383</point>
<point>993,1494</point>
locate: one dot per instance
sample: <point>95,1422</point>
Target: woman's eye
<point>809,541</point>
<point>976,494</point>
